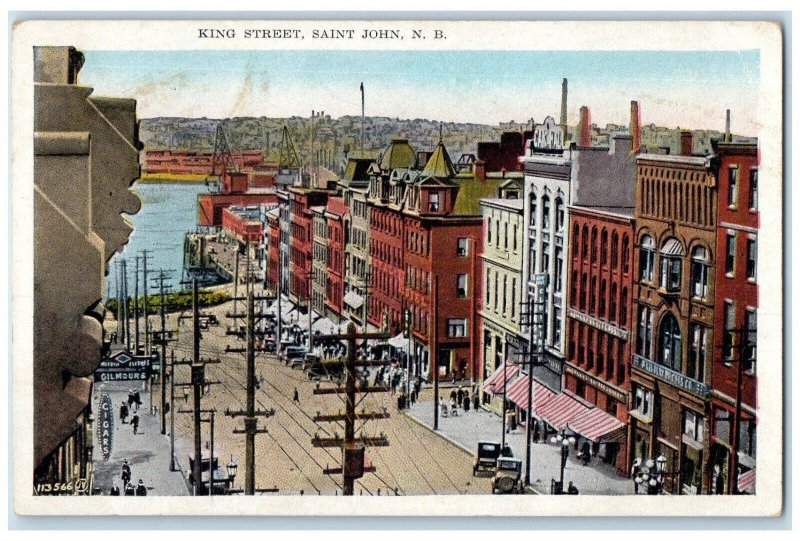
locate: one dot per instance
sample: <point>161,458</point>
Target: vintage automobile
<point>294,355</point>
<point>488,453</point>
<point>508,476</point>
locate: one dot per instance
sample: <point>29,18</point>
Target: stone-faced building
<point>320,252</point>
<point>554,179</point>
<point>86,156</point>
<point>675,287</point>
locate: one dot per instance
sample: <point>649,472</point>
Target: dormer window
<point>433,202</point>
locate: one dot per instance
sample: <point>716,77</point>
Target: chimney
<point>564,106</point>
<point>480,170</point>
<point>727,126</point>
<point>585,139</point>
<point>686,143</point>
<point>636,127</point>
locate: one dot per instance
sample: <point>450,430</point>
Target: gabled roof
<point>439,164</point>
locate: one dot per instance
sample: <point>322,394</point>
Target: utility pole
<point>198,377</point>
<point>136,305</point>
<point>250,414</point>
<point>162,340</point>
<point>120,336</point>
<point>353,466</point>
<point>146,313</point>
<point>280,295</point>
<point>172,466</point>
<point>126,304</point>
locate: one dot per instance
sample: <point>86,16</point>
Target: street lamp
<point>565,443</point>
<point>232,468</point>
<point>651,475</point>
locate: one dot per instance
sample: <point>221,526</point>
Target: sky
<point>674,88</point>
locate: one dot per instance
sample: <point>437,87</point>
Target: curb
<point>438,433</point>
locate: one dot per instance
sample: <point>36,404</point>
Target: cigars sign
<point>105,425</point>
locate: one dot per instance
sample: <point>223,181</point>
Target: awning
<point>325,326</point>
<point>747,482</point>
<point>494,384</point>
<point>560,410</point>
<point>594,424</point>
<point>399,341</point>
<point>353,299</point>
<point>673,247</point>
<point>518,394</point>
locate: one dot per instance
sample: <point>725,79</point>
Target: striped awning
<point>560,410</point>
<point>673,247</point>
<point>747,482</point>
<point>494,384</point>
<point>518,394</point>
<point>354,299</point>
<point>594,424</point>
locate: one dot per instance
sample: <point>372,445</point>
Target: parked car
<point>294,356</point>
<point>508,476</point>
<point>488,453</point>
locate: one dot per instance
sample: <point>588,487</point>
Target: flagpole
<point>362,117</point>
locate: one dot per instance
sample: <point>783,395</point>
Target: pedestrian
<point>465,402</point>
<point>130,490</point>
<point>452,396</point>
<point>123,412</point>
<point>296,396</point>
<point>114,490</point>
<point>137,399</point>
<point>443,407</point>
<point>454,377</point>
<point>636,467</point>
<point>126,472</point>
<point>460,395</point>
<point>586,453</point>
<point>513,422</point>
<point>135,423</point>
<point>572,489</point>
<point>130,399</point>
<point>535,430</point>
<point>413,396</point>
<point>453,407</point>
<point>141,490</point>
<point>476,401</point>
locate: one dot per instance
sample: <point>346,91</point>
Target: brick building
<point>674,292</point>
<point>732,451</point>
<point>600,270</point>
<point>301,240</point>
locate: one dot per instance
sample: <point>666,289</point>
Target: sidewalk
<point>147,452</point>
<point>468,428</point>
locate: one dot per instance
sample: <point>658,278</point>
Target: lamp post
<point>651,475</point>
<point>565,443</point>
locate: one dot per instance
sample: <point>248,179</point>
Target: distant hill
<point>336,135</point>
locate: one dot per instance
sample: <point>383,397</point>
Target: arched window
<point>614,248</point>
<point>625,254</point>
<point>669,342</point>
<point>585,242</point>
<point>699,272</point>
<point>604,248</point>
<point>594,245</point>
<point>647,258</point>
<point>575,233</point>
<point>532,214</point>
<point>545,212</point>
<point>559,214</point>
<point>671,254</point>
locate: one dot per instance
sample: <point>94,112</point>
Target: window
<point>696,366</point>
<point>556,325</point>
<point>643,402</point>
<point>699,273</point>
<point>612,302</point>
<point>516,236</point>
<point>585,242</point>
<point>594,245</point>
<point>497,232</point>
<point>592,297</point>
<point>647,259</point>
<point>488,288</point>
<point>462,248</point>
<point>733,181</point>
<point>582,304</point>
<point>559,267</point>
<point>461,285</point>
<point>730,253</point>
<point>545,257</point>
<point>753,196</point>
<point>614,247</point>
<point>433,202</point>
<point>505,293</point>
<point>496,288</point>
<point>670,342</point>
<point>749,360</point>
<point>505,236</point>
<point>671,254</point>
<point>456,328</point>
<point>751,258</point>
<point>693,425</point>
<point>728,341</point>
<point>559,214</point>
<point>604,248</point>
<point>489,231</point>
<point>626,254</point>
<point>575,240</point>
<point>722,425</point>
<point>513,298</point>
<point>602,309</point>
<point>532,213</point>
<point>545,212</point>
<point>747,437</point>
<point>623,309</point>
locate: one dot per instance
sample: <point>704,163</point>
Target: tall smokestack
<point>585,139</point>
<point>687,143</point>
<point>727,125</point>
<point>636,127</point>
<point>564,106</point>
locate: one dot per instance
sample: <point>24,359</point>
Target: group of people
<point>128,488</point>
<point>460,399</point>
<point>132,404</point>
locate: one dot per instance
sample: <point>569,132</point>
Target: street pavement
<point>147,451</point>
<point>468,428</point>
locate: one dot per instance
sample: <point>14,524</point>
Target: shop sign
<point>105,425</point>
<point>597,324</point>
<point>548,135</point>
<point>123,366</point>
<point>671,376</point>
<point>596,383</point>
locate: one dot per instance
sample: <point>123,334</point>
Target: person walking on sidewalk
<point>123,412</point>
<point>126,473</point>
<point>137,400</point>
<point>296,396</point>
<point>135,423</point>
<point>460,395</point>
<point>141,490</point>
<point>130,399</point>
